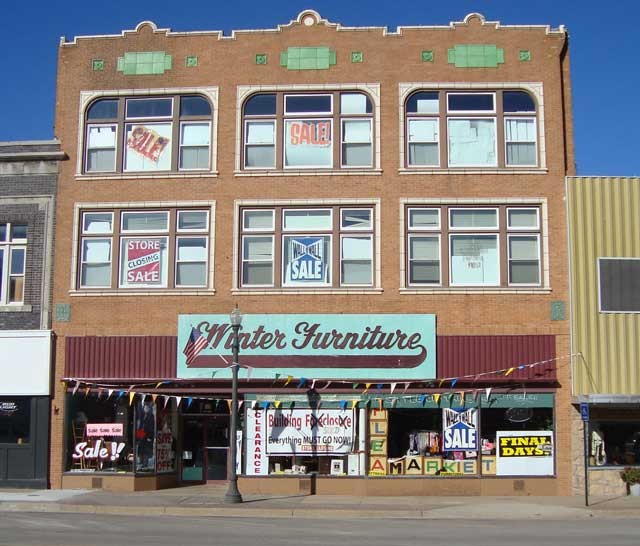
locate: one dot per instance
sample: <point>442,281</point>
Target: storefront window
<point>145,435</point>
<point>614,443</point>
<point>15,420</point>
<point>100,433</point>
<point>166,437</point>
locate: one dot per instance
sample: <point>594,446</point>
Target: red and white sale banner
<point>147,142</point>
<point>143,258</point>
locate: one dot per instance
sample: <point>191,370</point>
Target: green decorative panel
<point>524,55</point>
<point>261,58</point>
<point>427,56</point>
<point>144,62</point>
<point>97,65</point>
<point>475,56</point>
<point>308,58</point>
<point>558,310</point>
<point>191,61</point>
<point>357,57</point>
<point>63,312</point>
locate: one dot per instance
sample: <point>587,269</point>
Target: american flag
<point>195,344</point>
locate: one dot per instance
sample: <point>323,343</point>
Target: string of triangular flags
<point>133,391</point>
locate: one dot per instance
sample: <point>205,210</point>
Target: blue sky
<point>604,59</point>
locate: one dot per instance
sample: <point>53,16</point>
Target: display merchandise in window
<point>471,129</point>
<point>148,134</point>
<point>614,443</point>
<point>308,131</point>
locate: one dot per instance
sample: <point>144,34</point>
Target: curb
<point>548,513</point>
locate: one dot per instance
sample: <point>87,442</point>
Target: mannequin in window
<point>598,455</point>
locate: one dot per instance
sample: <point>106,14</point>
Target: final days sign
<point>459,429</point>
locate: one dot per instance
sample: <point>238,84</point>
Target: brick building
<point>28,178</point>
<point>386,210</point>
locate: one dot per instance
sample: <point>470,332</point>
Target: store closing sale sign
<point>143,257</point>
<point>524,453</point>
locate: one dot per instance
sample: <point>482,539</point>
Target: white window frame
<point>8,246</point>
<point>88,128</point>
<point>464,113</point>
<point>508,118</point>
<point>177,260</point>
<point>305,114</point>
<point>83,262</point>
<point>343,143</point>
<point>423,233</point>
<point>411,228</point>
<point>473,232</point>
<point>194,230</point>
<point>138,211</point>
<point>434,118</point>
<point>495,142</point>
<point>307,229</point>
<point>284,144</point>
<point>85,232</point>
<point>183,146</point>
<point>524,228</point>
<point>474,228</point>
<point>125,149</point>
<point>140,99</point>
<point>264,120</point>
<point>264,235</point>
<point>354,235</point>
<point>270,229</point>
<point>344,210</point>
<point>511,236</point>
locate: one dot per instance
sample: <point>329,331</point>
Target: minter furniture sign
<point>345,346</point>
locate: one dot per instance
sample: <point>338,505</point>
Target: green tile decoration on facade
<point>63,312</point>
<point>191,61</point>
<point>524,55</point>
<point>144,62</point>
<point>308,58</point>
<point>475,56</point>
<point>427,56</point>
<point>97,65</point>
<point>261,58</point>
<point>357,57</point>
<point>558,310</point>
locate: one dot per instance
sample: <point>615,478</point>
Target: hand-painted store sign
<point>314,346</point>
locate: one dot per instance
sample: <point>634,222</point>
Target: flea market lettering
<point>311,336</point>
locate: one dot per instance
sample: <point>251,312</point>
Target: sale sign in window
<point>143,262</point>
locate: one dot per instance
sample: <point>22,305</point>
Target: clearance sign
<point>308,143</point>
<point>524,453</point>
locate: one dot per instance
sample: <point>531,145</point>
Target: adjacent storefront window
<point>108,434</point>
<point>614,437</point>
<point>15,420</point>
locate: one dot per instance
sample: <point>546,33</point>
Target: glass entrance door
<point>217,448</point>
<point>193,453</point>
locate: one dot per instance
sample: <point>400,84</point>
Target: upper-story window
<point>13,253</point>
<point>320,130</point>
<point>148,134</point>
<point>146,249</point>
<point>471,129</point>
<point>307,247</point>
<point>480,246</point>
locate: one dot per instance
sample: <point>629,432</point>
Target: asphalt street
<point>34,529</point>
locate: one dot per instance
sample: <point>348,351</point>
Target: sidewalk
<point>208,500</point>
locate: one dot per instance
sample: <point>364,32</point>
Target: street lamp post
<point>233,495</point>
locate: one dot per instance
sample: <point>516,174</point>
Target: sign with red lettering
<point>147,142</point>
<point>257,462</point>
<point>142,261</point>
<point>308,143</point>
<point>309,431</point>
<point>104,429</point>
